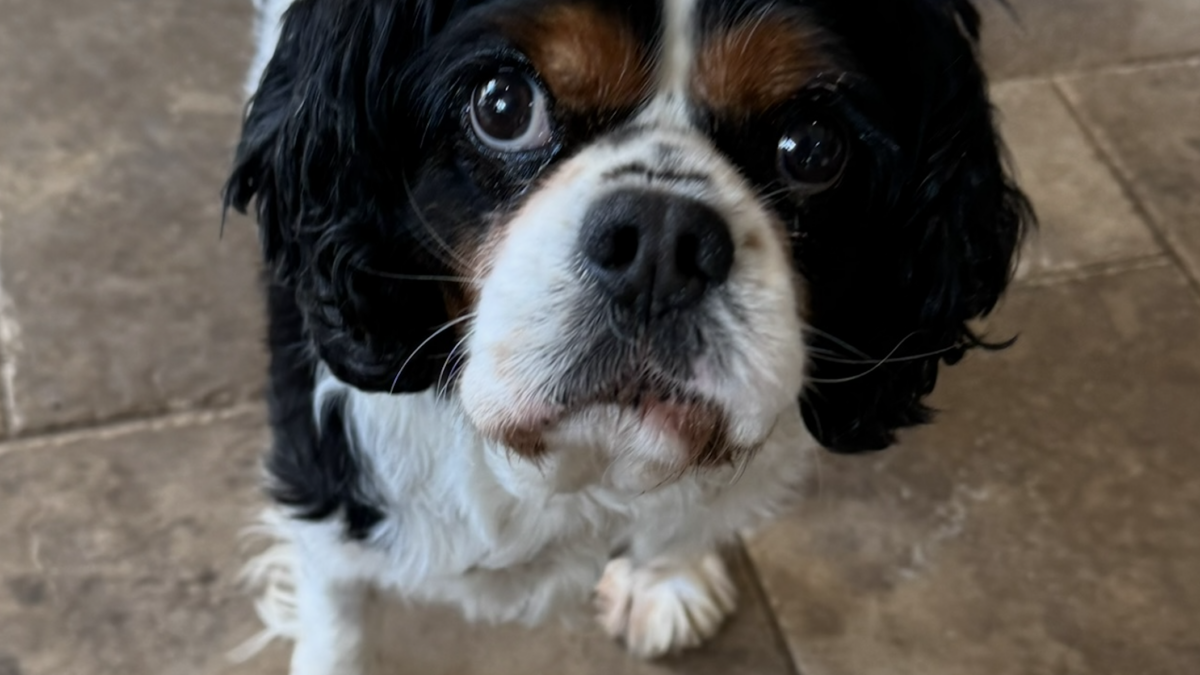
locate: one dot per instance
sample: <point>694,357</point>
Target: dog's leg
<point>667,605</point>
<point>329,630</point>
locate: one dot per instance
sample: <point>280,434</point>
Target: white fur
<point>666,605</point>
<point>470,524</point>
<point>670,103</point>
<point>507,539</point>
<point>268,16</point>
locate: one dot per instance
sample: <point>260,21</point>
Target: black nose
<point>655,252</point>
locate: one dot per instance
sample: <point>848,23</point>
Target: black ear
<point>327,153</point>
<point>893,289</point>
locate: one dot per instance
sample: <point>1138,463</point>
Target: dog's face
<point>661,223</point>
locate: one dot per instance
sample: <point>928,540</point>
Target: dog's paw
<point>666,606</point>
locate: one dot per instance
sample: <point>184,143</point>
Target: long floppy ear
<point>892,295</point>
<point>327,150</point>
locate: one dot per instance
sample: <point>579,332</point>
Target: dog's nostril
<point>655,252</point>
<point>619,249</point>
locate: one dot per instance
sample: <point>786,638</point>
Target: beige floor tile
<point>432,642</point>
<point>1148,120</point>
<point>1053,36</point>
<point>1045,524</point>
<point>119,119</point>
<point>1085,218</point>
<point>119,552</point>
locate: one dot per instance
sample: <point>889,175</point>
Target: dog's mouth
<point>640,390</point>
<point>663,408</point>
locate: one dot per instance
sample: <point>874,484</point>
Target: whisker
<point>841,343</point>
<point>414,277</point>
<point>454,371</point>
<point>445,327</point>
<point>443,388</point>
<point>773,194</point>
<point>866,372</point>
<point>455,258</point>
<point>894,359</point>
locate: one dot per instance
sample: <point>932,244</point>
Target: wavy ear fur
<point>329,184</point>
<point>892,295</point>
<point>899,274</point>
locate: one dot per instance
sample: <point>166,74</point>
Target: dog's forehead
<point>736,58</point>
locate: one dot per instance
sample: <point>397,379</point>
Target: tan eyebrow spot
<point>591,60</point>
<point>757,64</point>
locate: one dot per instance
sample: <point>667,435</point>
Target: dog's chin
<point>668,429</point>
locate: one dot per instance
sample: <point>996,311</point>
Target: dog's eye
<point>508,113</point>
<point>812,154</point>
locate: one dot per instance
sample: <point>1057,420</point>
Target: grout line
<point>1094,271</point>
<point>10,347</point>
<point>1122,68</point>
<point>1124,179</point>
<point>180,420</point>
<point>760,594</point>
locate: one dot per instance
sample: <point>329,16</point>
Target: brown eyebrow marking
<point>591,60</point>
<point>759,63</point>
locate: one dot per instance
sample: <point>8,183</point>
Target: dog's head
<point>667,221</point>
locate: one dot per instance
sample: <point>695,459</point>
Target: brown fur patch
<point>706,435</point>
<point>760,63</point>
<point>753,241</point>
<point>591,60</point>
<point>703,428</point>
<point>524,441</point>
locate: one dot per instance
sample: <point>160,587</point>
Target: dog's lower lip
<point>672,407</point>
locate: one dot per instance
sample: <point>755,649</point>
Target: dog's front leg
<point>670,603</point>
<point>329,630</point>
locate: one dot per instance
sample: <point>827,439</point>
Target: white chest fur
<point>506,538</point>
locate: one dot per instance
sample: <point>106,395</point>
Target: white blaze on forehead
<point>675,63</point>
<point>678,38</point>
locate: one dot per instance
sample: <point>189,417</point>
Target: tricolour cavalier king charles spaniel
<point>565,294</point>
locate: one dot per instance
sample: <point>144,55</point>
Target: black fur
<point>365,192</point>
<point>313,470</point>
<point>363,202</point>
<point>899,264</point>
<point>920,235</point>
<point>362,195</point>
<point>327,152</point>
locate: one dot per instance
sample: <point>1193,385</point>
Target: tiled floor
<point>1047,524</point>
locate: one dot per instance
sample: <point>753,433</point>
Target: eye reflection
<point>812,154</point>
<point>509,113</point>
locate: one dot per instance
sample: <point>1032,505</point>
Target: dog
<point>566,294</point>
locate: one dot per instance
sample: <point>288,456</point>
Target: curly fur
<point>379,222</point>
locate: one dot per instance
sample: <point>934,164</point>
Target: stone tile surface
<point>437,642</point>
<point>119,552</point>
<point>1085,218</point>
<point>119,119</point>
<point>1054,36</point>
<point>1148,120</point>
<point>1046,524</point>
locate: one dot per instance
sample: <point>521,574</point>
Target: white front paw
<point>666,606</point>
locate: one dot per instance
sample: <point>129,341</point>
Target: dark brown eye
<point>508,113</point>
<point>812,154</point>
